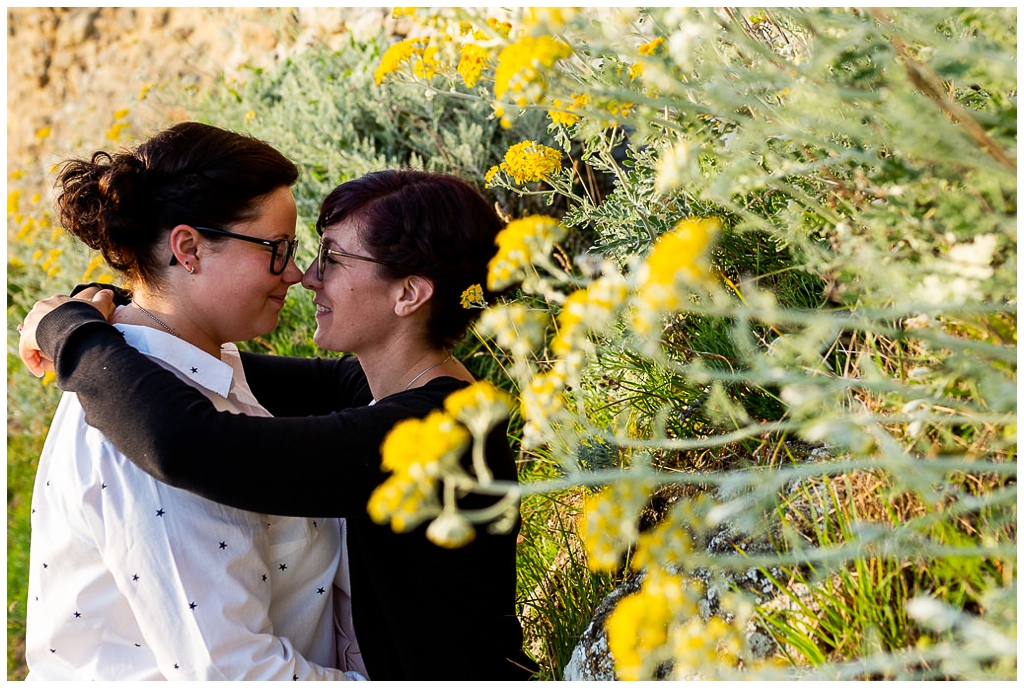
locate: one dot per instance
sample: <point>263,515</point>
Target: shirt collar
<point>191,361</point>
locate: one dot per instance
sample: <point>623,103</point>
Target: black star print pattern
<point>264,577</point>
<point>320,591</point>
<point>222,545</point>
<point>159,512</point>
<point>192,605</point>
<point>135,577</point>
<point>282,567</point>
<point>78,615</point>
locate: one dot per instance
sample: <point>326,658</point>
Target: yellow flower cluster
<point>527,161</point>
<point>669,543</point>
<point>677,259</point>
<point>608,526</point>
<point>502,28</point>
<point>417,51</point>
<point>704,649</point>
<point>638,627</point>
<point>564,113</point>
<point>52,262</point>
<point>472,63</point>
<point>473,297</point>
<point>588,309</point>
<point>479,407</point>
<point>417,453</point>
<point>521,65</point>
<point>651,48</point>
<point>515,327</point>
<point>542,400</point>
<point>519,245</point>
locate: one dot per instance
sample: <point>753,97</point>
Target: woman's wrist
<point>58,327</point>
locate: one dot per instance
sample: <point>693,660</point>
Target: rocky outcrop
<point>70,69</point>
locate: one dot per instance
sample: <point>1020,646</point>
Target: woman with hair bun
<point>130,578</point>
<point>397,250</point>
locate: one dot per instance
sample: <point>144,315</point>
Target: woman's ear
<point>416,291</point>
<point>184,244</point>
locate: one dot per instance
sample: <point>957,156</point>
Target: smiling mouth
<point>321,309</point>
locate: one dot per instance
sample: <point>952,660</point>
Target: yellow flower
<point>121,114</point>
<point>144,91</point>
<point>635,627</point>
<point>519,245</point>
<point>520,66</point>
<point>530,161</point>
<point>677,259</point>
<point>52,262</point>
<point>542,399</point>
<point>636,70</point>
<point>473,297</point>
<point>472,63</point>
<point>515,328</point>
<point>500,27</point>
<point>588,309</point>
<point>48,377</point>
<point>638,627</point>
<point>43,133</point>
<point>14,202</point>
<point>413,50</point>
<point>116,130</point>
<point>479,407</point>
<point>652,47</point>
<point>16,262</point>
<point>559,116</point>
<point>95,263</point>
<point>491,174</point>
<point>418,452</point>
<point>423,448</point>
<point>250,116</point>
<point>18,174</point>
<point>608,526</point>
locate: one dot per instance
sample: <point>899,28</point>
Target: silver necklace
<point>426,371</point>
<point>158,320</point>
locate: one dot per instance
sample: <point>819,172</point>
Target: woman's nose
<point>309,277</point>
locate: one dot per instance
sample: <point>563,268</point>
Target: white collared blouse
<point>133,579</point>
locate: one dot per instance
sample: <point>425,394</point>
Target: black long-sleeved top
<point>420,611</point>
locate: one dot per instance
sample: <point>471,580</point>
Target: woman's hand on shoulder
<point>28,348</point>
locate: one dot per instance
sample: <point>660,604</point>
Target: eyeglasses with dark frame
<point>324,252</point>
<point>278,258</point>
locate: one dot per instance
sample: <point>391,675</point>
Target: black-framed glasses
<point>324,252</point>
<point>281,250</point>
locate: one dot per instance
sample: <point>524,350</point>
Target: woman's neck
<point>398,370</point>
<point>163,314</point>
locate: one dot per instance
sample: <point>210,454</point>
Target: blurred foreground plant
<point>803,228</point>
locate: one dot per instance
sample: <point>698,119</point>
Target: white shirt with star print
<point>133,579</point>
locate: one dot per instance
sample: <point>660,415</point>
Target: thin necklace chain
<point>425,371</point>
<point>156,319</point>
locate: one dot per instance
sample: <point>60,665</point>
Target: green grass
<point>22,456</point>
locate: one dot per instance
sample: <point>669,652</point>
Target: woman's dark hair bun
<point>103,203</point>
<point>121,204</point>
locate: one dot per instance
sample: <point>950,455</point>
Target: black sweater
<point>419,611</point>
